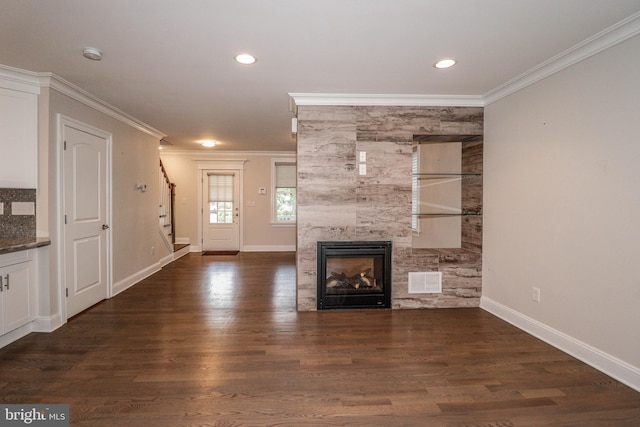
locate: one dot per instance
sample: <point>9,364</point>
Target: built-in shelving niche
<point>447,192</point>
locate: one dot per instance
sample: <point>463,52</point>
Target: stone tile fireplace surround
<point>335,203</point>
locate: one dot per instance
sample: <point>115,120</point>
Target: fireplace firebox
<point>354,275</point>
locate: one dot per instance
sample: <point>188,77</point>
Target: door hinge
<point>65,219</point>
<point>66,291</point>
<point>65,146</point>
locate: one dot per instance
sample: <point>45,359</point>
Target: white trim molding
<point>269,248</point>
<point>20,80</point>
<point>53,81</point>
<point>220,164</point>
<point>31,82</point>
<point>386,100</point>
<point>605,39</point>
<point>128,282</point>
<point>218,155</point>
<point>617,33</point>
<point>48,323</point>
<point>606,363</point>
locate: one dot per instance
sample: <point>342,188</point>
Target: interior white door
<point>86,226</point>
<point>220,211</point>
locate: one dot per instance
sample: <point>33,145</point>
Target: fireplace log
<point>337,280</point>
<point>357,281</point>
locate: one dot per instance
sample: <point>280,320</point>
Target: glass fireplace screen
<point>354,275</point>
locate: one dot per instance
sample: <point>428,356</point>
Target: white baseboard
<point>128,282</point>
<point>40,324</point>
<point>193,248</point>
<point>174,256</point>
<point>15,335</point>
<point>606,363</point>
<point>166,260</point>
<point>47,324</point>
<point>180,253</point>
<point>269,248</point>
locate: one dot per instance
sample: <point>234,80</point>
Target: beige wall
<point>258,234</point>
<point>134,220</point>
<point>562,196</point>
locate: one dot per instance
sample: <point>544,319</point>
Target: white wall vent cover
<point>425,282</point>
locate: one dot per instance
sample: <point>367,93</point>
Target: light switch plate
<point>362,168</point>
<point>1,208</point>
<point>363,156</point>
<point>23,208</point>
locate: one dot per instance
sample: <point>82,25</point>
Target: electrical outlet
<point>535,294</point>
<point>23,208</point>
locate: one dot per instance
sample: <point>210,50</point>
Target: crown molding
<point>205,156</point>
<point>31,82</point>
<point>20,80</point>
<point>623,30</point>
<point>385,100</point>
<point>617,33</point>
<point>53,81</point>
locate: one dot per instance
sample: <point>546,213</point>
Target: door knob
<point>105,226</point>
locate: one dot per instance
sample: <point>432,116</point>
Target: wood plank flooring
<point>216,341</point>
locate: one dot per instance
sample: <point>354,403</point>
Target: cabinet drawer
<point>15,258</point>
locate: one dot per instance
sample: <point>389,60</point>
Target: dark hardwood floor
<point>216,341</point>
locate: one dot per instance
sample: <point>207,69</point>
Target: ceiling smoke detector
<point>92,53</point>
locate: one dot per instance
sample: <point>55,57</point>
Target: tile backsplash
<point>17,212</point>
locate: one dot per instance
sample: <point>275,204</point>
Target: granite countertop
<point>15,244</point>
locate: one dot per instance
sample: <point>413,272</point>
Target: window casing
<point>284,192</point>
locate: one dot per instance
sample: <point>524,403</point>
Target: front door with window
<point>221,211</point>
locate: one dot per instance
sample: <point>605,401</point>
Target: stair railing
<point>167,204</point>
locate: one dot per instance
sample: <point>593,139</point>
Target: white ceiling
<point>169,63</point>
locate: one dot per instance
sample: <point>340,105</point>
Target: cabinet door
<point>17,304</point>
<point>18,139</point>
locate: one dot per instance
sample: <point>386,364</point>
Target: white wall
<point>258,234</point>
<point>562,209</point>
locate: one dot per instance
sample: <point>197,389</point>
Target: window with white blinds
<point>285,175</point>
<point>220,198</point>
<point>284,192</point>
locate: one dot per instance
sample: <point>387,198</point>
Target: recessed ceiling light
<point>445,63</point>
<point>92,53</point>
<point>208,143</point>
<point>245,58</point>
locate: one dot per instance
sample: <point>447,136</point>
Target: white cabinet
<point>18,296</point>
<point>18,136</point>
